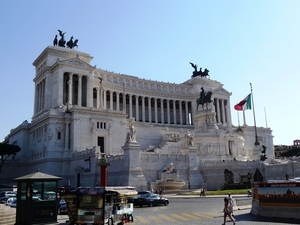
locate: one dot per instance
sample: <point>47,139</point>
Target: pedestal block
<point>132,160</point>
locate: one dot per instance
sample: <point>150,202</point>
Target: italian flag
<point>244,104</point>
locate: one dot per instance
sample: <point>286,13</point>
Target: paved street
<point>196,210</point>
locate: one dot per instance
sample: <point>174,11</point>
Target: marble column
<point>118,101</point>
<point>143,108</point>
<point>218,109</point>
<point>79,89</point>
<point>70,82</point>
<point>162,111</point>
<point>180,112</point>
<point>149,108</point>
<point>111,106</point>
<point>130,105</point>
<point>155,109</point>
<point>136,108</point>
<point>186,113</point>
<point>168,111</point>
<point>104,99</point>
<point>174,112</point>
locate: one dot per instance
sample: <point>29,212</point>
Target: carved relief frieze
<point>77,62</point>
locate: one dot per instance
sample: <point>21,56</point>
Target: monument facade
<point>140,125</point>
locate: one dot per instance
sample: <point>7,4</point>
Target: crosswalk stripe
<point>190,216</point>
<point>179,217</point>
<point>167,218</point>
<point>160,218</point>
<point>202,215</point>
<point>142,219</point>
<point>155,219</point>
<point>213,215</point>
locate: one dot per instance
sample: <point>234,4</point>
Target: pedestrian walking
<point>230,202</point>
<point>227,212</point>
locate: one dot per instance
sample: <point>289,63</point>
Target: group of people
<point>160,191</point>
<point>228,208</point>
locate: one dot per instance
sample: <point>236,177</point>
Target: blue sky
<point>238,41</point>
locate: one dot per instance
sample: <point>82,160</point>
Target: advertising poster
<point>277,194</point>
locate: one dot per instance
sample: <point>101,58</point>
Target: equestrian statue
<point>205,99</point>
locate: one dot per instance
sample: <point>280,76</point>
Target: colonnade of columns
<point>222,111</point>
<point>76,90</point>
<point>142,108</point>
<point>146,108</point>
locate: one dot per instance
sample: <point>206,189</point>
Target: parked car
<point>151,200</point>
<point>6,195</point>
<point>10,200</point>
<point>144,193</point>
<point>62,207</point>
<point>13,204</point>
<point>132,199</point>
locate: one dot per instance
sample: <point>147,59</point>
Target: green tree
<point>7,150</point>
<point>291,152</point>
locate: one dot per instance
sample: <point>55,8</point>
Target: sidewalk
<point>242,201</point>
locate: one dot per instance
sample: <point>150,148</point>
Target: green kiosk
<point>36,199</point>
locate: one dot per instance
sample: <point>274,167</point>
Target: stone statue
<point>199,73</point>
<point>205,73</point>
<point>189,138</point>
<point>70,43</point>
<point>202,93</point>
<point>55,41</point>
<point>169,169</point>
<point>131,134</point>
<point>62,41</point>
<point>205,99</point>
<point>75,43</point>
<point>194,66</point>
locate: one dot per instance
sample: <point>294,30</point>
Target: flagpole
<point>256,140</point>
<point>237,112</point>
<point>244,118</point>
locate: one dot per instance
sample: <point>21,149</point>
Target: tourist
<point>230,202</point>
<point>227,211</point>
<point>160,191</point>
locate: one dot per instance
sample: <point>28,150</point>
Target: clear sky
<point>238,41</point>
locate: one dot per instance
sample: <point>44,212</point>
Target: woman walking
<point>227,212</point>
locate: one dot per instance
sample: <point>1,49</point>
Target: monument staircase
<point>168,147</point>
<point>7,215</point>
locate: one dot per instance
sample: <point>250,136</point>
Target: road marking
<point>167,218</point>
<point>142,219</point>
<point>179,217</point>
<point>155,219</point>
<point>190,216</point>
<point>203,216</point>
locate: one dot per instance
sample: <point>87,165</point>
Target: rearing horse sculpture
<point>205,100</point>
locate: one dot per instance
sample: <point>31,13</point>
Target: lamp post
<point>102,162</point>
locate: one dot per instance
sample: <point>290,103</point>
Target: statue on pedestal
<point>189,138</point>
<point>131,135</point>
<point>199,73</point>
<point>205,98</point>
<point>62,41</point>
